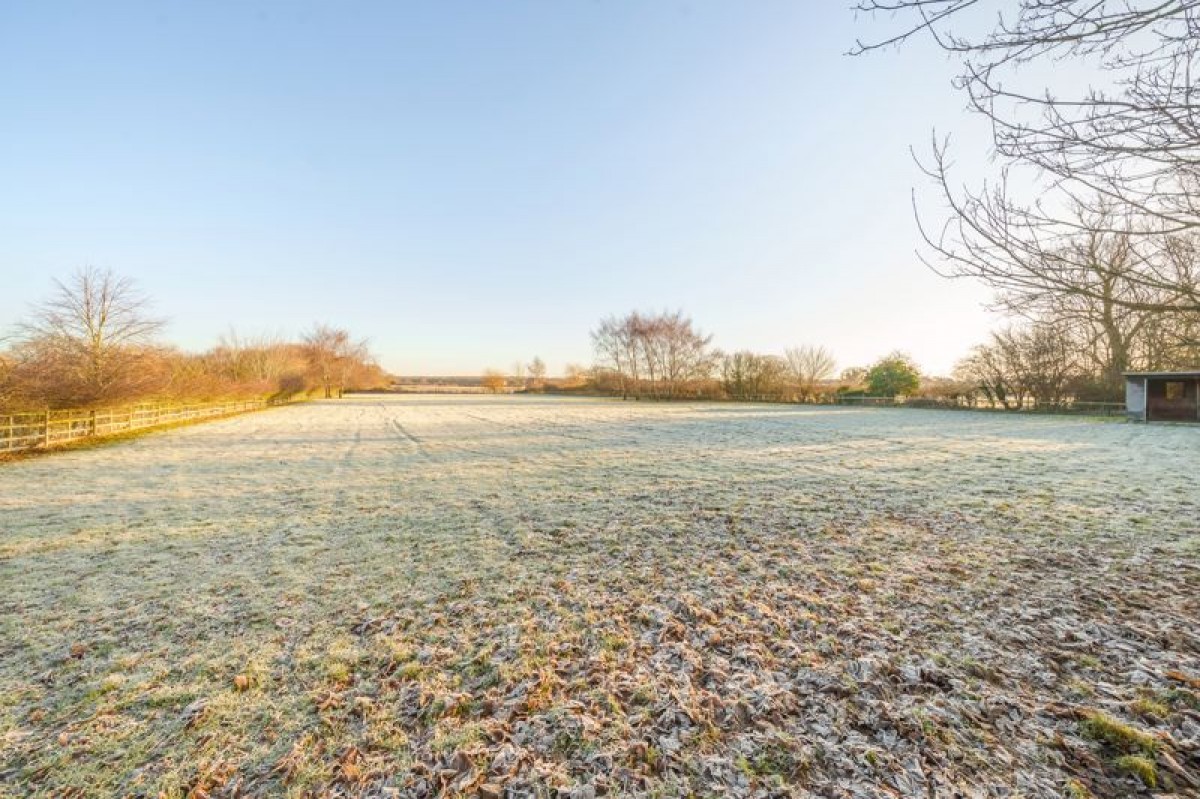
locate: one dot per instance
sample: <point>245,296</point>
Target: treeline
<point>1069,349</point>
<point>664,356</point>
<point>1090,231</point>
<point>1085,312</point>
<point>95,343</point>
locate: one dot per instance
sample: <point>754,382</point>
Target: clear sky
<point>472,183</point>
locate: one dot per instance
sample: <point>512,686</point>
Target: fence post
<point>92,423</point>
<point>46,432</point>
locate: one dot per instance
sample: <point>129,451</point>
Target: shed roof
<point>1184,373</point>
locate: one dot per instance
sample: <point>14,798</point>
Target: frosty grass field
<point>519,596</point>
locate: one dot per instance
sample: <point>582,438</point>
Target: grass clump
<point>1141,767</point>
<point>1104,728</point>
<point>411,670</point>
<point>611,642</point>
<point>451,738</point>
<point>340,661</point>
<point>1150,708</point>
<point>1138,747</point>
<point>778,759</point>
<point>113,682</point>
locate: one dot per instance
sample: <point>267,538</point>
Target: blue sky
<point>469,184</point>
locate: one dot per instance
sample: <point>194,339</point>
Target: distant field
<point>441,388</point>
<point>517,596</point>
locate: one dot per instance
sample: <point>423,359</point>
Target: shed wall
<point>1135,398</point>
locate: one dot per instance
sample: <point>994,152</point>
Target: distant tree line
<point>664,356</point>
<point>94,342</point>
<point>1089,318</point>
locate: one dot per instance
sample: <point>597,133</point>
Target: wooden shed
<point>1163,396</point>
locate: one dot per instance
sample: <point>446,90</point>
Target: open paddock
<point>520,596</point>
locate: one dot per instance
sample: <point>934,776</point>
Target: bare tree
<point>576,375</point>
<point>1127,151</point>
<point>260,358</point>
<point>355,367</point>
<point>1092,289</point>
<point>1168,342</point>
<point>749,376</point>
<point>853,377</point>
<point>537,374</point>
<point>1028,249</point>
<point>323,346</point>
<point>615,342</point>
<point>334,357</point>
<point>737,373</point>
<point>493,380</point>
<point>1096,292</point>
<point>1045,360</point>
<point>1036,362</point>
<point>808,366</point>
<point>90,338</point>
<point>8,384</point>
<point>1130,140</point>
<point>987,368</point>
<point>676,353</point>
<point>653,354</point>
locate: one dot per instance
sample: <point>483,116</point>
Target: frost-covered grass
<point>422,596</point>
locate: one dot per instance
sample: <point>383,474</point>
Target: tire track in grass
<point>494,483</point>
<point>581,473</point>
<point>400,432</point>
<point>450,481</point>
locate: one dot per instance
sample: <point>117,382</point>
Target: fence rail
<point>1071,407</point>
<point>44,429</point>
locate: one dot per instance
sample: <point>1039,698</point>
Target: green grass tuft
<point>1141,767</point>
<point>1104,728</point>
<point>1150,708</point>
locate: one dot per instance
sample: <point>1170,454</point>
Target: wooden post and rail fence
<point>44,429</point>
<point>1028,406</point>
